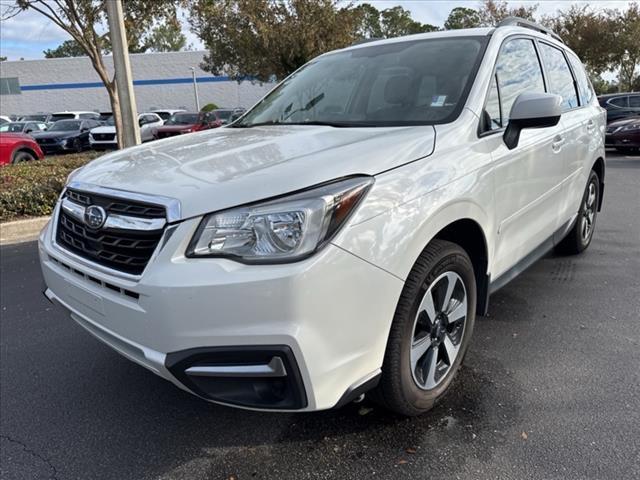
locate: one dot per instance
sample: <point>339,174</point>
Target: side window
<point>620,102</point>
<point>584,85</point>
<point>559,76</point>
<point>634,101</point>
<point>517,71</point>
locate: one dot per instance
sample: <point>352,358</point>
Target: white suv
<point>343,235</point>
<point>105,136</point>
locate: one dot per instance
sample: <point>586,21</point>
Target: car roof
<point>75,112</point>
<point>621,94</point>
<point>500,31</point>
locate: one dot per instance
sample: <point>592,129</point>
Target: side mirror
<point>28,130</point>
<point>531,110</point>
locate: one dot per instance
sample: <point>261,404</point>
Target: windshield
<point>61,116</point>
<point>223,114</point>
<point>418,82</point>
<point>110,121</point>
<point>11,127</point>
<point>183,119</point>
<point>34,118</point>
<point>65,126</point>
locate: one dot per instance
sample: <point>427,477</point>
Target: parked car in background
<point>23,127</point>
<point>75,115</point>
<point>166,113</point>
<point>320,248</point>
<point>184,122</point>
<point>620,105</point>
<point>66,136</point>
<point>237,113</point>
<point>624,135</point>
<point>4,119</point>
<point>105,136</point>
<point>37,117</point>
<point>18,148</point>
<point>105,116</point>
<point>223,115</point>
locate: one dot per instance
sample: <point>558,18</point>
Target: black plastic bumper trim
<point>353,393</point>
<point>242,391</point>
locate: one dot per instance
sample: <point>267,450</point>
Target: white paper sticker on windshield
<point>438,100</point>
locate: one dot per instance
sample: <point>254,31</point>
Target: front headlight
<point>281,230</point>
<point>628,128</point>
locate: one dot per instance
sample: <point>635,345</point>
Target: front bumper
<point>55,147</point>
<point>103,144</point>
<point>331,312</point>
<point>622,140</point>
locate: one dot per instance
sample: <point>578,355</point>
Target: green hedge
<point>31,189</point>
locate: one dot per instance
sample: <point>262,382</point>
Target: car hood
<point>55,134</point>
<point>226,167</point>
<point>104,129</point>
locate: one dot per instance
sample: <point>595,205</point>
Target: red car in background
<point>17,148</point>
<point>185,122</point>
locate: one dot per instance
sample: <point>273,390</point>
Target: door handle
<point>591,125</point>
<point>557,144</point>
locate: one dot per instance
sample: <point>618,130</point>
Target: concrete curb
<point>21,230</point>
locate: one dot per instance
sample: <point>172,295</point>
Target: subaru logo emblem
<point>94,217</point>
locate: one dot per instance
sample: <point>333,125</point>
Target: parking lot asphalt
<point>550,389</point>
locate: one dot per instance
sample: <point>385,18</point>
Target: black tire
<point>399,389</point>
<point>77,145</point>
<point>576,241</point>
<point>22,156</point>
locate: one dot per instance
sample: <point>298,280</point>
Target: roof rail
<point>523,22</point>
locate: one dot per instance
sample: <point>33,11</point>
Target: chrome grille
<point>125,250</point>
<point>104,136</point>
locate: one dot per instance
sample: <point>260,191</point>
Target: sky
<point>28,34</point>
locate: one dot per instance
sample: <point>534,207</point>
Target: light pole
<point>195,88</point>
<point>124,82</point>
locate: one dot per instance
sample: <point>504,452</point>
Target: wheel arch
<point>469,235</point>
<point>599,167</point>
<point>25,149</point>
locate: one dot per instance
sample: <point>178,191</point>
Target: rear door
<point>528,179</point>
<point>577,123</point>
<point>588,136</point>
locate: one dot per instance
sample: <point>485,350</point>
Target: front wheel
<point>22,156</point>
<point>430,332</point>
<point>580,236</point>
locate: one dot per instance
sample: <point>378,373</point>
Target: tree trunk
<point>115,110</point>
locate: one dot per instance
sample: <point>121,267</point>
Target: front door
<point>528,180</point>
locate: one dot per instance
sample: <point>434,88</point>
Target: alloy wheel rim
<point>589,212</point>
<point>438,330</point>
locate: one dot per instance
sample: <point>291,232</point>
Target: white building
<point>161,80</point>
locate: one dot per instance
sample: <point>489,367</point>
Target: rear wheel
<point>22,156</point>
<point>431,330</point>
<point>580,236</point>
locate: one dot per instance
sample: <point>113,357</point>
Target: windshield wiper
<point>312,103</point>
